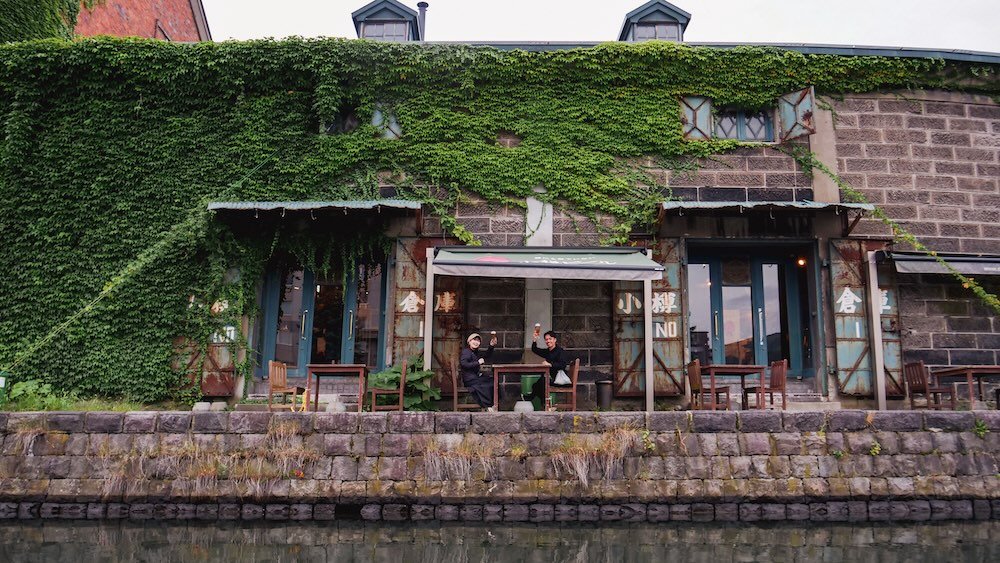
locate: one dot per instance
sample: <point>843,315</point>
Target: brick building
<point>172,20</point>
<point>761,261</point>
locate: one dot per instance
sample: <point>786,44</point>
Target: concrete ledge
<point>751,421</point>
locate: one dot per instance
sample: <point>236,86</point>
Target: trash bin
<point>526,382</point>
<point>604,392</point>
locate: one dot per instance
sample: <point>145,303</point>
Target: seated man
<point>470,363</point>
<point>555,358</point>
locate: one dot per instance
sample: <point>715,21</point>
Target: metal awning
<point>741,206</point>
<point>345,205</point>
<point>968,264</point>
<point>613,263</point>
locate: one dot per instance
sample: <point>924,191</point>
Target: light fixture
<point>801,262</point>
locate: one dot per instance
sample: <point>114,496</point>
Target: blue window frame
<point>744,125</point>
<point>390,30</point>
<point>664,31</point>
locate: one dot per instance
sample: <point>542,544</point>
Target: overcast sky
<point>954,24</point>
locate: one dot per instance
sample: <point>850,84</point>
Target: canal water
<point>347,541</point>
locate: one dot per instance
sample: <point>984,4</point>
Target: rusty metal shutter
<point>668,334</point>
<point>696,117</point>
<point>795,114</point>
<point>848,271</point>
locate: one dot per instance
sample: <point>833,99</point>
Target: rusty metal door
<point>213,373</point>
<point>849,280</point>
<point>407,314</point>
<point>668,335</point>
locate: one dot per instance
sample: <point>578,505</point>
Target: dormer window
<point>662,31</point>
<point>655,20</point>
<point>389,20</point>
<point>386,30</point>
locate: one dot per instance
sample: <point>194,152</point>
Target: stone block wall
<point>497,304</point>
<point>946,324</point>
<point>581,314</point>
<point>929,159</point>
<point>573,229</point>
<point>492,224</point>
<point>677,466</point>
<point>746,174</point>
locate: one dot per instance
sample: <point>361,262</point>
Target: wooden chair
<point>776,384</point>
<point>399,391</point>
<point>919,380</point>
<point>277,385</point>
<point>460,391</point>
<point>566,390</point>
<point>699,395</point>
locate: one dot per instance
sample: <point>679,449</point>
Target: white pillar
<point>537,293</point>
<point>647,314</point>
<point>429,310</point>
<point>875,328</point>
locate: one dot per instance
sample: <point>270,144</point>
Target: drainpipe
<point>422,19</point>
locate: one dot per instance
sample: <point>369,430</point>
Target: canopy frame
<point>652,271</point>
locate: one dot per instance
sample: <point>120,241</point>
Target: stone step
<point>810,397</point>
<point>795,406</point>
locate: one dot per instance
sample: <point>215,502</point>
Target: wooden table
<point>969,373</point>
<point>318,371</point>
<point>741,370</point>
<point>520,370</point>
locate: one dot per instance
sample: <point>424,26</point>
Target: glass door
<point>288,317</point>
<point>744,309</point>
<point>310,319</point>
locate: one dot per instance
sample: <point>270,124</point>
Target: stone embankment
<point>664,466</point>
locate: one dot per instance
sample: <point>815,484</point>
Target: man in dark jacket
<point>470,363</point>
<point>555,358</point>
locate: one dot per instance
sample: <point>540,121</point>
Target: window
<point>791,118</point>
<point>386,30</point>
<point>345,121</point>
<point>384,119</point>
<point>744,125</point>
<point>664,31</point>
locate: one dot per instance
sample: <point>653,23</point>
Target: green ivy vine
<point>110,149</point>
<point>22,20</point>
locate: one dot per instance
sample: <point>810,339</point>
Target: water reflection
<point>343,541</point>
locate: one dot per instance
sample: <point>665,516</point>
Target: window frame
<point>636,26</point>
<point>404,23</point>
<point>742,116</point>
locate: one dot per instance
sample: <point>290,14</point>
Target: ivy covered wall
<point>22,20</point>
<point>112,148</point>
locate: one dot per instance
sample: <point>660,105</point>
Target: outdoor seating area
<point>714,395</point>
<point>711,387</point>
<point>927,388</point>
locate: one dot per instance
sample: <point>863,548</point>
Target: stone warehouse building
<point>762,260</point>
<point>755,255</point>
